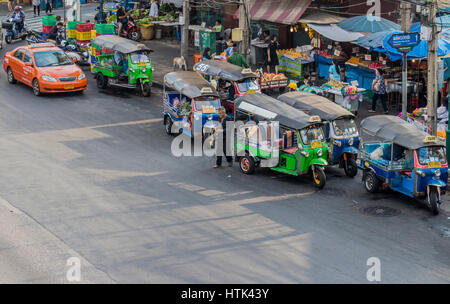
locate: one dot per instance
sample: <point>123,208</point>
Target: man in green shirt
<point>238,59</point>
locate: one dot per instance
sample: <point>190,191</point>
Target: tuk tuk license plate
<point>316,144</point>
<point>142,64</point>
<point>251,91</point>
<point>69,87</point>
<point>434,165</point>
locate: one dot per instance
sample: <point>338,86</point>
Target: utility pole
<point>245,26</point>
<point>432,81</point>
<point>185,34</point>
<point>406,20</point>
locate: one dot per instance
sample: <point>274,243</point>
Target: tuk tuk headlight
<point>421,173</point>
<point>132,70</point>
<point>144,70</point>
<point>48,78</point>
<point>210,117</point>
<point>81,76</point>
<point>319,152</point>
<point>437,173</point>
<point>305,153</point>
<point>337,143</point>
<point>351,142</point>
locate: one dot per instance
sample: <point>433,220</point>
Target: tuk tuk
<point>298,146</point>
<point>340,128</point>
<point>190,103</point>
<point>126,65</point>
<point>403,158</point>
<point>231,81</point>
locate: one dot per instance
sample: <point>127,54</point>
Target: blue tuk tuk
<point>339,127</point>
<point>190,103</point>
<point>403,158</point>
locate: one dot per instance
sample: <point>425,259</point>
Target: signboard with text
<point>404,42</point>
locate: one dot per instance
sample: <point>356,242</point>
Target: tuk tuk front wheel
<point>433,201</point>
<point>247,164</point>
<point>319,178</point>
<point>102,81</point>
<point>351,169</point>
<point>371,182</point>
<point>134,35</point>
<point>145,89</point>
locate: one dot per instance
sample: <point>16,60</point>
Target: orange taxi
<point>44,67</point>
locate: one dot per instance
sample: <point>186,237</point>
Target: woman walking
<point>272,57</point>
<point>37,6</point>
<point>379,88</point>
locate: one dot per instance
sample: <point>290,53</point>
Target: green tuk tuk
<point>127,66</point>
<point>281,137</point>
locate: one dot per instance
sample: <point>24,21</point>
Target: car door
<point>17,64</point>
<point>28,71</point>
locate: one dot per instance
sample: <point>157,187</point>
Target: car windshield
<point>428,155</point>
<point>52,58</point>
<point>139,58</point>
<point>248,84</point>
<point>208,102</point>
<point>345,127</point>
<point>311,134</point>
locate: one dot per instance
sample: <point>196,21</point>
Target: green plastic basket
<point>49,20</point>
<point>104,28</point>
<point>72,25</point>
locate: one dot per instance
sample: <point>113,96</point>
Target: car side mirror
<point>28,64</point>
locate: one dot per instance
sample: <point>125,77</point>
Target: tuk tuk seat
<point>290,150</point>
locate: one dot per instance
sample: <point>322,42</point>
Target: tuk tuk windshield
<point>345,127</point>
<point>248,84</point>
<point>311,134</point>
<point>139,58</point>
<point>206,102</point>
<point>427,155</point>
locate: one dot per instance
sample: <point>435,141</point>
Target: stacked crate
<point>47,23</point>
<point>100,29</point>
<point>104,29</point>
<point>72,31</point>
<point>84,32</point>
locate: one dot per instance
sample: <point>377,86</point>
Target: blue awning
<point>368,24</point>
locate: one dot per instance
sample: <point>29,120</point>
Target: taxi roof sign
<point>37,45</point>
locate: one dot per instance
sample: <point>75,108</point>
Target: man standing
<point>222,128</point>
<point>238,59</point>
<point>154,9</point>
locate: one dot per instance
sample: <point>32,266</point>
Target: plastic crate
<point>85,27</point>
<point>72,25</point>
<point>46,28</point>
<point>84,35</point>
<point>93,59</point>
<point>72,34</point>
<point>49,20</point>
<point>93,34</point>
<point>107,28</point>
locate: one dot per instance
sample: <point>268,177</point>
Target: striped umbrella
<point>368,24</point>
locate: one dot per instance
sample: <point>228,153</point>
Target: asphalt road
<point>92,176</point>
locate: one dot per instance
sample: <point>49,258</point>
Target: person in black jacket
<point>223,129</point>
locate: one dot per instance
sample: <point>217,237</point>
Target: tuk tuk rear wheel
<point>247,164</point>
<point>168,125</point>
<point>319,178</point>
<point>351,170</point>
<point>145,89</point>
<point>433,201</point>
<point>371,182</point>
<point>102,81</point>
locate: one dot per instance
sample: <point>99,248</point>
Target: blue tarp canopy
<point>368,24</point>
<point>374,40</point>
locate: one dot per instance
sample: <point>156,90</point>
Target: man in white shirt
<point>154,8</point>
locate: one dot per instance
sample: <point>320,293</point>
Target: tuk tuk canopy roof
<point>271,109</point>
<point>396,130</point>
<point>223,70</point>
<point>190,84</point>
<point>119,44</point>
<point>315,105</point>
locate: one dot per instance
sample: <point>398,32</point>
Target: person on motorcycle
<point>122,18</point>
<point>18,18</point>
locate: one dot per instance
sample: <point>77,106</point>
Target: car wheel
<point>371,182</point>
<point>11,78</point>
<point>36,87</point>
<point>433,201</point>
<point>351,169</point>
<point>247,164</point>
<point>319,177</point>
<point>102,81</point>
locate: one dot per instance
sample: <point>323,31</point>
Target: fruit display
<point>271,80</point>
<point>292,53</point>
<point>271,76</point>
<point>335,84</point>
<point>324,54</point>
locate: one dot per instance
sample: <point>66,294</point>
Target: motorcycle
<point>129,30</point>
<point>11,26</point>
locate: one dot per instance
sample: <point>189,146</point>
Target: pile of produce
<point>271,76</point>
<point>354,60</point>
<point>293,54</point>
<point>335,84</point>
<point>324,53</point>
<point>144,21</point>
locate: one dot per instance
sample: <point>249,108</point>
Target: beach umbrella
<point>368,24</point>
